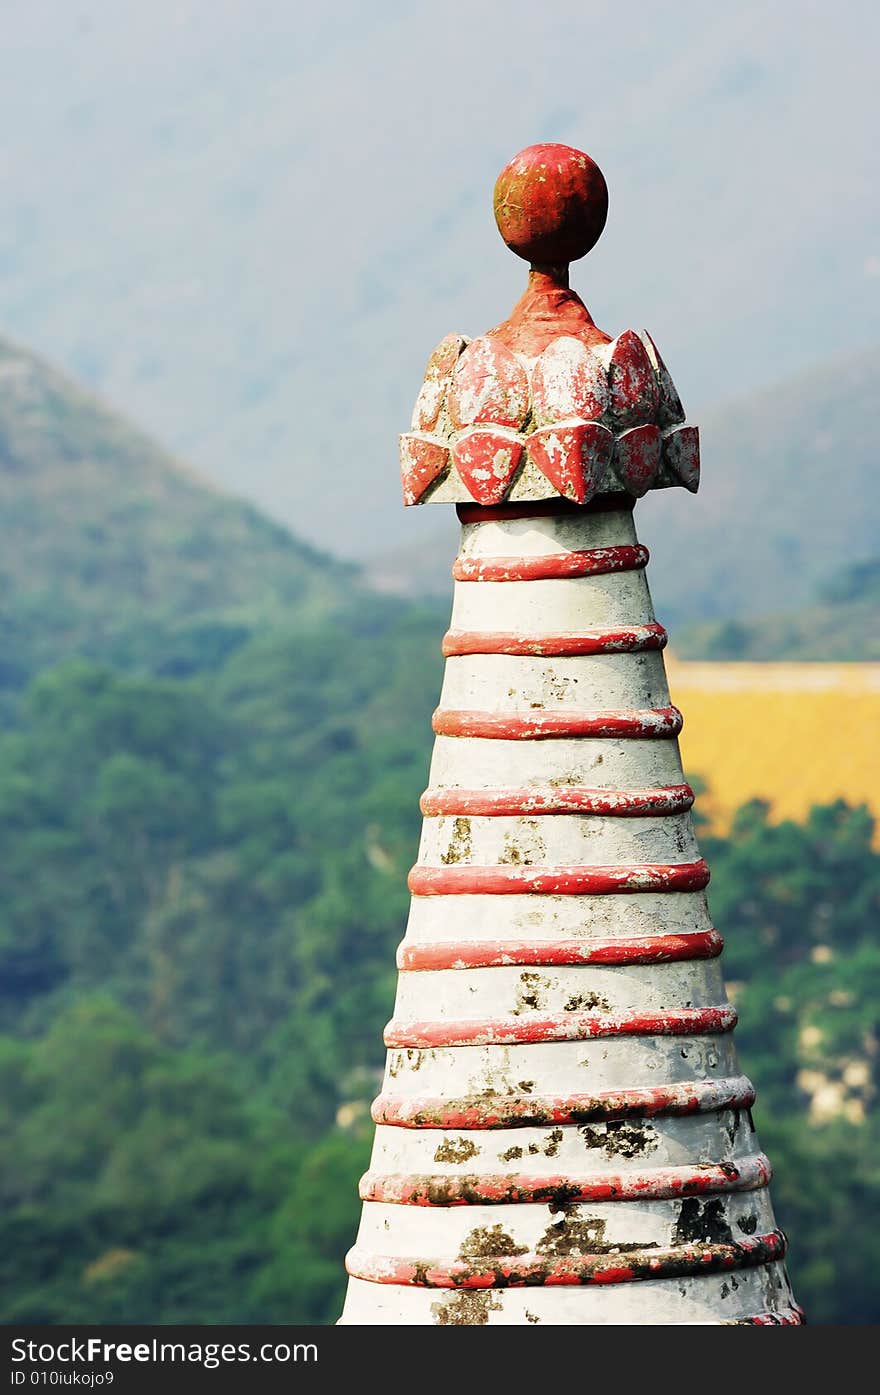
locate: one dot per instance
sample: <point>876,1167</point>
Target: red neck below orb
<point>547,310</point>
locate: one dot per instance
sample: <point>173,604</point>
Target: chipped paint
<point>637,456</point>
<point>422,459</point>
<point>569,380</point>
<point>681,455</point>
<point>633,388</point>
<point>535,726</point>
<point>438,377</point>
<point>559,799</point>
<point>597,561</point>
<point>513,1031</point>
<point>500,1271</point>
<point>703,1220</point>
<point>573,456</point>
<point>483,954</point>
<point>511,1111</point>
<point>629,639</point>
<point>558,881</point>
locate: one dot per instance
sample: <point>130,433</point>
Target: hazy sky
<point>246,222</point>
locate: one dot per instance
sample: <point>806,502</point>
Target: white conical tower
<point>563,1133</point>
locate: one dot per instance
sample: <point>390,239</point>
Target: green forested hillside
<point>204,882</point>
<point>109,546</point>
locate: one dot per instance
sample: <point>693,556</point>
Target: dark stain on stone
<point>512,857</point>
<point>569,1236</point>
<point>585,1002</point>
<point>511,1154</point>
<point>523,847</point>
<point>456,1150</point>
<point>489,1240</point>
<point>527,993</point>
<point>460,847</point>
<point>551,1147</point>
<point>527,1086</point>
<point>532,1317</point>
<point>702,1222</point>
<point>748,1224</point>
<point>466,1308</point>
<point>620,1138</point>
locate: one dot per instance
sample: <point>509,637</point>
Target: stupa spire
<point>563,1133</point>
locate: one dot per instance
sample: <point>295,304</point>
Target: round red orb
<point>551,202</point>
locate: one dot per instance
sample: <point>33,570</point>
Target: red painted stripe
<point>553,799</point>
<point>625,879</point>
<point>565,1026</point>
<point>649,1184</point>
<point>538,1111</point>
<point>538,725</point>
<point>544,508</point>
<point>506,1271</point>
<point>492,954</point>
<point>793,1316</point>
<point>626,639</point>
<point>593,561</point>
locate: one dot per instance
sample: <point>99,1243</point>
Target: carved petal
<point>438,376</point>
<point>634,390</point>
<point>422,459</point>
<point>681,454</point>
<point>489,386</point>
<point>572,455</point>
<point>637,457</point>
<point>486,459</point>
<point>569,380</point>
<point>669,410</point>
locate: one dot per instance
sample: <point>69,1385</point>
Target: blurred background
<point>232,233</point>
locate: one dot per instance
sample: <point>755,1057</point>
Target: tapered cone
<point>564,1133</point>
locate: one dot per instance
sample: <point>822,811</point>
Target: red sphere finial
<point>551,202</point>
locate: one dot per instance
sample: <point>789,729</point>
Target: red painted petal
<point>569,380</point>
<point>487,460</point>
<point>422,459</point>
<point>489,387</point>
<point>438,376</point>
<point>681,455</point>
<point>669,410</point>
<point>634,390</point>
<point>637,457</point>
<point>572,456</point>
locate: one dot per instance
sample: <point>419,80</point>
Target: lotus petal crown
<point>547,405</point>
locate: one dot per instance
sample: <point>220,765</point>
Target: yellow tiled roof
<point>793,734</point>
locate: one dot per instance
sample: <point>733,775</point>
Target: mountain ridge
<point>106,532</point>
